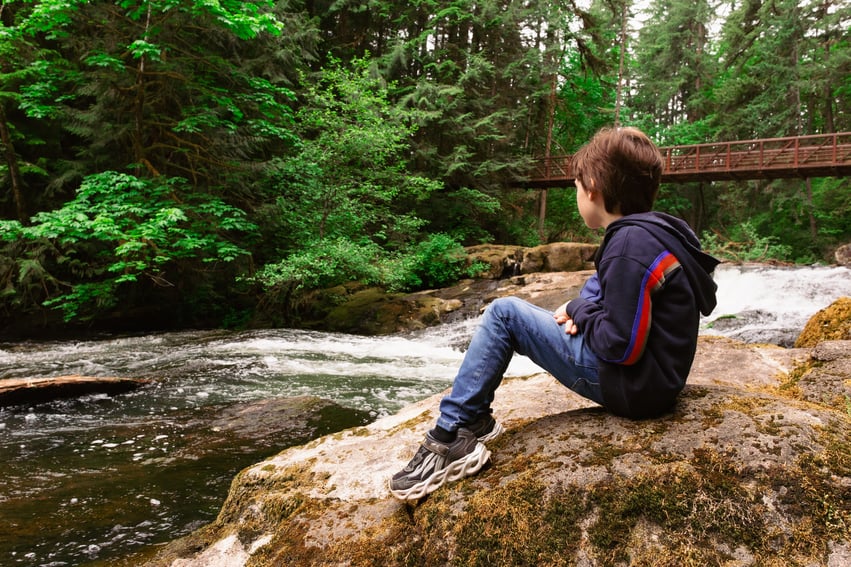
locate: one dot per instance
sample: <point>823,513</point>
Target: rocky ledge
<point>547,275</point>
<point>752,468</point>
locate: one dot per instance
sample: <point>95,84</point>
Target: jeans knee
<point>504,305</point>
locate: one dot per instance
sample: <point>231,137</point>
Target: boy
<point>628,341</point>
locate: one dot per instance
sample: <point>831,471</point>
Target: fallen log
<point>18,391</point>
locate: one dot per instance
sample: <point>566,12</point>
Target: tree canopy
<point>183,162</point>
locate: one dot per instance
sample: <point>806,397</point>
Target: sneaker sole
<point>469,465</point>
<point>497,430</point>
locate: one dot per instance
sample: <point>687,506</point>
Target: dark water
<point>100,477</point>
<point>99,480</point>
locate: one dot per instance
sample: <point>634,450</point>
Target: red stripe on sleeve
<point>664,264</point>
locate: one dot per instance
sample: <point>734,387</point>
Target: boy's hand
<point>562,318</point>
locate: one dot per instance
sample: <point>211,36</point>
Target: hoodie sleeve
<point>617,328</point>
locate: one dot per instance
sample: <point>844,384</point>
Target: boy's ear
<point>590,189</point>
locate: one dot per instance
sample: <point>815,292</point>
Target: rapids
<point>97,478</point>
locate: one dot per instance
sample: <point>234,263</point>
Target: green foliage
<point>587,104</point>
<point>378,164</point>
<point>782,68</point>
<point>126,80</point>
<point>437,261</point>
<point>832,208</point>
<point>564,223</point>
<point>325,263</point>
<point>745,244</point>
<point>348,178</point>
<point>120,229</point>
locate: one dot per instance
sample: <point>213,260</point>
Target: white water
<point>772,305</point>
<point>378,374</point>
<point>66,461</point>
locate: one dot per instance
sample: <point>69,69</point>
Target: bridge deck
<point>824,155</point>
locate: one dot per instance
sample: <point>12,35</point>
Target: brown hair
<point>625,165</point>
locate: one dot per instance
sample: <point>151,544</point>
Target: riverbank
<point>546,275</point>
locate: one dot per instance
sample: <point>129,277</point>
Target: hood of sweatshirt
<point>676,235</point>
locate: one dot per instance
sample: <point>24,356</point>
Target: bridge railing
<point>800,156</point>
<point>746,158</point>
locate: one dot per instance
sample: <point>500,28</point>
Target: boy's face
<point>592,207</point>
<point>587,206</point>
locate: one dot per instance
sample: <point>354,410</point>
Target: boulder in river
<point>547,275</point>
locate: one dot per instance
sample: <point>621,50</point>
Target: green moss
<point>519,524</point>
<point>831,323</point>
<point>790,387</point>
<point>692,503</point>
<point>602,454</point>
<point>810,492</point>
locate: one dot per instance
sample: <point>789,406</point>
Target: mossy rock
<point>833,323</point>
<point>746,475</point>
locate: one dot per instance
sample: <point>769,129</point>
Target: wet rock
<point>372,311</point>
<point>548,275</point>
<point>558,257</point>
<point>843,255</point>
<point>264,423</point>
<point>751,468</point>
<point>502,261</point>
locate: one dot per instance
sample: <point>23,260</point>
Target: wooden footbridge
<point>824,155</point>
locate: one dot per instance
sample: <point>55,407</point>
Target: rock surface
<point>752,468</point>
<point>843,255</point>
<point>508,261</point>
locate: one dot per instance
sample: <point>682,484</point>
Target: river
<point>95,479</point>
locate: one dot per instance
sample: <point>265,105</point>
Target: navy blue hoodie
<point>654,281</point>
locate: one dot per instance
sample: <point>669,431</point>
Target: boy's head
<point>624,165</point>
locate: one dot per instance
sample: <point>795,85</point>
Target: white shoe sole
<point>494,433</point>
<point>469,465</point>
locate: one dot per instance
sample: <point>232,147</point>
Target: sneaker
<point>486,428</point>
<point>437,463</point>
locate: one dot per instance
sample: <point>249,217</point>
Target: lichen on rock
<point>833,323</point>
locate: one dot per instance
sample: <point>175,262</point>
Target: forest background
<point>205,163</point>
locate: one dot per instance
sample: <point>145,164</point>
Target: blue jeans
<point>512,325</point>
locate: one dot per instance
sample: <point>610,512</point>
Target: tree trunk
<point>542,207</point>
<point>810,207</point>
<point>619,91</point>
<point>16,391</point>
<point>14,170</point>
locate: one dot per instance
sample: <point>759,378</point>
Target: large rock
<point>843,255</point>
<point>372,311</point>
<point>831,323</point>
<point>551,273</point>
<point>507,261</point>
<point>558,257</point>
<point>752,468</point>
